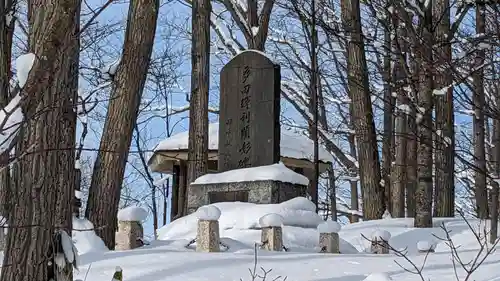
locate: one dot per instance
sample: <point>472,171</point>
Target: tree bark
<point>480,190</point>
<point>388,136</point>
<point>357,71</point>
<point>200,82</point>
<point>444,204</point>
<point>423,195</point>
<point>398,171</point>
<point>6,33</point>
<point>42,195</point>
<point>412,145</point>
<point>109,168</point>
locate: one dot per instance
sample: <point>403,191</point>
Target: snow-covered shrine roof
<point>292,144</point>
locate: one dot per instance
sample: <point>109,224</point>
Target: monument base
<point>258,192</point>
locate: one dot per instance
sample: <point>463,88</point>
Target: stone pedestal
<point>258,192</point>
<point>329,243</point>
<point>129,235</point>
<point>272,238</point>
<point>207,237</point>
<point>379,246</point>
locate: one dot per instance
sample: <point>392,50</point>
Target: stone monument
<point>249,137</point>
<point>249,130</point>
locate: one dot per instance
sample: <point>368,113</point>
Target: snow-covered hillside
<point>169,259</point>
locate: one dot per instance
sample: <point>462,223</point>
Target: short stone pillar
<point>272,232</point>
<point>380,242</point>
<point>329,237</point>
<point>130,232</point>
<point>207,236</point>
<point>426,246</point>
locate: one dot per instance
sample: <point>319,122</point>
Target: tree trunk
<point>444,195</point>
<point>496,173</point>
<point>388,136</point>
<point>333,193</point>
<point>357,71</point>
<point>43,195</point>
<point>200,82</point>
<point>423,195</point>
<point>6,33</point>
<point>480,190</point>
<point>412,144</point>
<point>398,172</point>
<point>109,168</point>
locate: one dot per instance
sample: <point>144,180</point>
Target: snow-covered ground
<point>169,260</point>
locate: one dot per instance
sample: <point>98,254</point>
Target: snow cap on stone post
<point>208,213</point>
<point>381,234</point>
<point>132,213</point>
<point>271,220</point>
<point>329,227</point>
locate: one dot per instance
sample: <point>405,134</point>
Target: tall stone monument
<point>249,128</point>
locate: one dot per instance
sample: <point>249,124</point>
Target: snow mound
<point>382,234</point>
<point>275,172</point>
<point>298,212</point>
<point>425,246</point>
<point>271,220</point>
<point>84,237</point>
<point>208,213</point>
<point>240,222</point>
<point>329,227</point>
<point>292,144</point>
<point>132,213</point>
<point>379,276</point>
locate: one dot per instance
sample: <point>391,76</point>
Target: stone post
<point>130,232</point>
<point>329,237</point>
<point>380,242</point>
<point>272,232</point>
<point>207,236</point>
<point>129,235</point>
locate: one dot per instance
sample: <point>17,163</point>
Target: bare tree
<point>200,82</point>
<point>47,101</point>
<point>357,72</point>
<point>481,193</point>
<point>128,86</point>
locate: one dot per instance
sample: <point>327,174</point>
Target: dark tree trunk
<point>109,168</point>
<point>357,71</point>
<point>398,172</point>
<point>423,194</point>
<point>412,145</point>
<point>6,33</point>
<point>444,196</point>
<point>43,195</point>
<point>480,190</point>
<point>388,136</point>
<point>200,82</point>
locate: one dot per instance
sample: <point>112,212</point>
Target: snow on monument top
<point>271,220</point>
<point>329,227</point>
<point>132,213</point>
<point>208,213</point>
<point>275,172</point>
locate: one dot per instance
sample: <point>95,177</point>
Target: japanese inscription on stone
<point>249,132</point>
